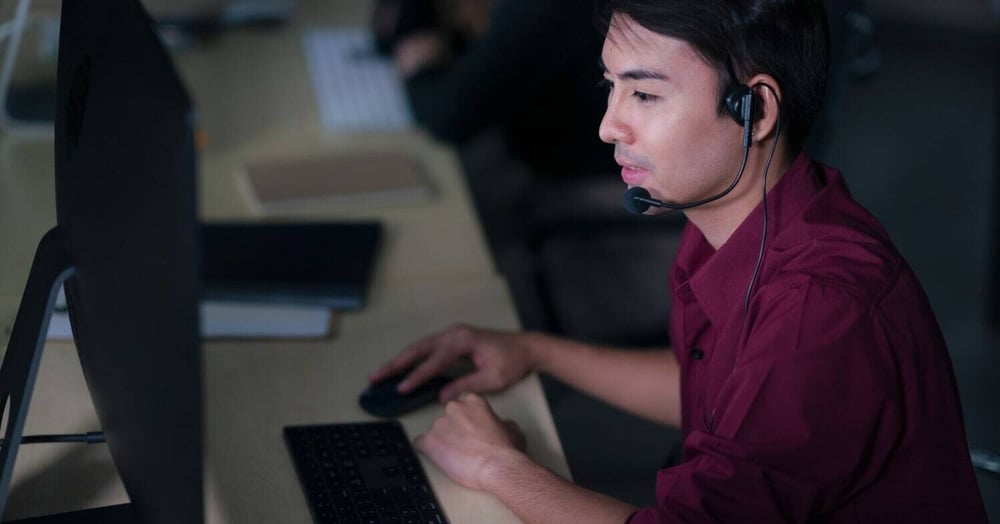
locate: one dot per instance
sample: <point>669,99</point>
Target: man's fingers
<point>427,369</point>
<point>390,368</point>
<point>437,351</point>
<point>446,351</point>
<point>469,383</point>
<point>403,360</point>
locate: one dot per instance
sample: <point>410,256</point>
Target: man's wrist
<point>539,348</point>
<point>505,468</point>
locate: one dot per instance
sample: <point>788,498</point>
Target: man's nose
<point>613,130</point>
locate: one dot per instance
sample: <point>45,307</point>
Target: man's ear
<point>767,96</point>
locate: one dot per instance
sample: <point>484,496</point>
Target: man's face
<point>663,116</point>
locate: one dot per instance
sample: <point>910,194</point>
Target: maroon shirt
<point>832,398</point>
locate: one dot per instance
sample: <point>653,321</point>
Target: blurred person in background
<point>527,66</point>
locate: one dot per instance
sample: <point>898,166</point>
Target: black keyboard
<point>362,473</point>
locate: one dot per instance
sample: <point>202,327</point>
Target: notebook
<point>360,180</point>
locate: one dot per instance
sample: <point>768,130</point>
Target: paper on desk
<point>356,89</point>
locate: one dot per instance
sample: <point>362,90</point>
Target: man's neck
<point>719,220</point>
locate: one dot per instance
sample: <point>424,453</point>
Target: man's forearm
<point>646,383</point>
<point>536,495</point>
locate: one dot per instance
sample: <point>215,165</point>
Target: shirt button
<point>697,354</point>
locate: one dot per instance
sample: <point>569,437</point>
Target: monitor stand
<point>49,271</point>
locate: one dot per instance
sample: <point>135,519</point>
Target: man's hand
<point>500,359</point>
<point>470,443</point>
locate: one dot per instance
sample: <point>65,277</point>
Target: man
<point>808,374</point>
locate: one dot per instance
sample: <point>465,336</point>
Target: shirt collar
<point>719,279</point>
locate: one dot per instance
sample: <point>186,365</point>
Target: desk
<point>255,101</point>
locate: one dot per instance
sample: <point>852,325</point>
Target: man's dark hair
<point>787,39</point>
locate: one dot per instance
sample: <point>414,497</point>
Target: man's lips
<point>633,175</point>
<point>634,169</point>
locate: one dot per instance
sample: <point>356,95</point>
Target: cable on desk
<point>92,437</point>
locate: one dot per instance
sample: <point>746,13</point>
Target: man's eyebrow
<point>643,74</point>
<point>634,74</point>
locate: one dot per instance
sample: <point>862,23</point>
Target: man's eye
<point>606,84</point>
<point>645,97</point>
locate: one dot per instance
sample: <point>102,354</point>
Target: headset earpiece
<point>739,103</point>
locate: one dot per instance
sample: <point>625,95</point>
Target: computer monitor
<point>126,247</point>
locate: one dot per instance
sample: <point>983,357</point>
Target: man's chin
<point>656,211</point>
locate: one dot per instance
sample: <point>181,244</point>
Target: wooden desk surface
<point>255,102</point>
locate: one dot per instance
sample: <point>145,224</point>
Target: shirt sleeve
<point>808,417</point>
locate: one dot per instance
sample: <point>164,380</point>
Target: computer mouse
<point>383,400</point>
